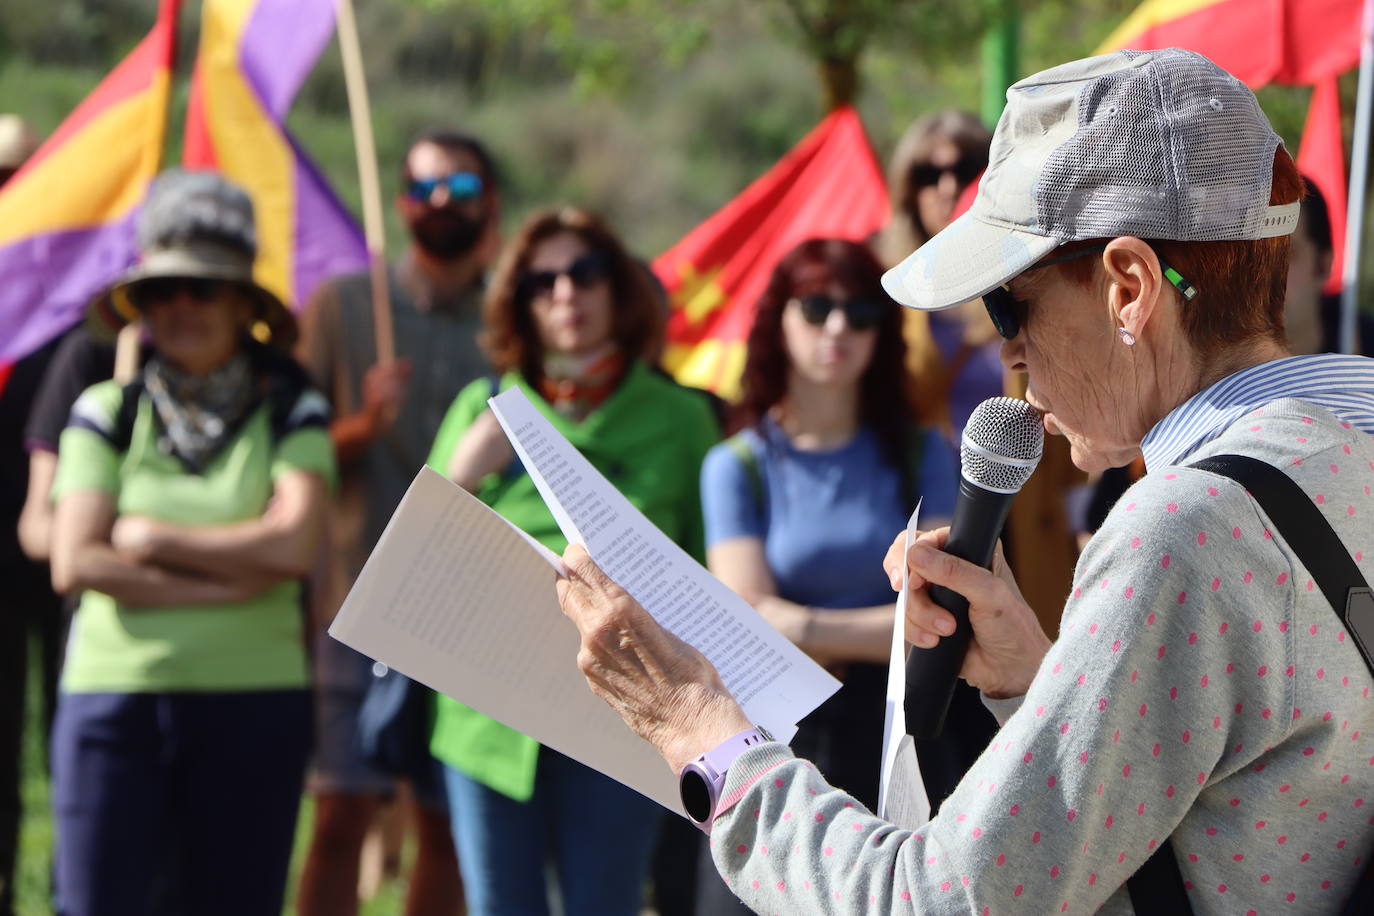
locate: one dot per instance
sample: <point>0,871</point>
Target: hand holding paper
<point>663,689</point>
<point>457,598</point>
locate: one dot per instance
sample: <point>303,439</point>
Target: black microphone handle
<point>931,674</point>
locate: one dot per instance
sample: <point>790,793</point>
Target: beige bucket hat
<point>194,225</point>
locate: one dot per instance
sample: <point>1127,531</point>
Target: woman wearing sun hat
<point>188,507</point>
<point>1206,709</point>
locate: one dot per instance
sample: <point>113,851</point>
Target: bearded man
<point>386,415</point>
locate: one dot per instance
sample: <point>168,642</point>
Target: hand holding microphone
<point>993,626</point>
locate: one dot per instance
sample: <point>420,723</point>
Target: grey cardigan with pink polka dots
<point>1201,688</point>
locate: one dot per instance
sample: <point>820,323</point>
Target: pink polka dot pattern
<point>1206,683</point>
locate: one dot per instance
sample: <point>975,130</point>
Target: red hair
<point>510,338</point>
<point>1240,284</point>
<point>884,402</point>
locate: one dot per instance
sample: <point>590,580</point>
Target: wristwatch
<point>701,781</point>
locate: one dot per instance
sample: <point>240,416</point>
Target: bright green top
<point>256,644</point>
<point>648,439</point>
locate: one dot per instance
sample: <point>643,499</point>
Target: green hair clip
<point>1188,290</point>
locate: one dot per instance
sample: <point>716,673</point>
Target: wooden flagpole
<point>360,112</point>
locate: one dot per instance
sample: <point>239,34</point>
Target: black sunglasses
<point>1008,313</point>
<point>585,272</point>
<point>859,314</point>
<point>964,171</point>
<point>156,290</point>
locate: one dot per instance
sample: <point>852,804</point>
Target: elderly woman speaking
<point>1129,239</point>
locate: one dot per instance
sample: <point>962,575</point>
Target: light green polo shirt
<point>258,644</point>
<point>648,439</point>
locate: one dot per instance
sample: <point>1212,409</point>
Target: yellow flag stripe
<point>85,182</point>
<point>249,148</point>
<point>1149,14</point>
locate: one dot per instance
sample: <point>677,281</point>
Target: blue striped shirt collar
<point>1343,385</point>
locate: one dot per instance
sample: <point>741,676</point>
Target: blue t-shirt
<point>980,376</point>
<point>826,518</point>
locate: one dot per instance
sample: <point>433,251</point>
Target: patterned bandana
<point>197,415</point>
<point>575,386</point>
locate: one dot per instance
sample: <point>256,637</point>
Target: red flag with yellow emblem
<point>827,185</point>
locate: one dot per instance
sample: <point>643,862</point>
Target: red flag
<point>1321,157</point>
<point>1297,42</point>
<point>829,185</point>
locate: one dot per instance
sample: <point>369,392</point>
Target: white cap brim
<point>963,261</point>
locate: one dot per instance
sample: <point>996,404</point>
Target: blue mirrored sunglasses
<point>462,187</point>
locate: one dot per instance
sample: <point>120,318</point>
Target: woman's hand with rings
<point>1008,642</point>
<point>667,692</point>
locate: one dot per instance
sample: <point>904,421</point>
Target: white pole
<point>370,185</point>
<point>1359,183</point>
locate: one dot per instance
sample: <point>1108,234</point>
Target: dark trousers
<point>186,799</point>
<point>30,624</point>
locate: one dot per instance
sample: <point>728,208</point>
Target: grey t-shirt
<point>438,333</point>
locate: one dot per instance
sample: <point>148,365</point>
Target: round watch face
<point>696,795</point>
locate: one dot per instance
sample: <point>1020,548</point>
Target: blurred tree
<point>592,37</point>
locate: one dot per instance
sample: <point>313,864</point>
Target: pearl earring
<point>1126,337</point>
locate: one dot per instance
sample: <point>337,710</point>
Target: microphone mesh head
<point>1002,444</point>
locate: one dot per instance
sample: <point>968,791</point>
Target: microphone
<point>1001,446</point>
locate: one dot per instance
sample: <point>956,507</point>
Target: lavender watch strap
<point>707,774</point>
<point>722,755</point>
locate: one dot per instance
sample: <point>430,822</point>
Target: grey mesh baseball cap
<point>1153,144</point>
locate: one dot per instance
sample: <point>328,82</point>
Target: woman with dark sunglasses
<point>189,504</point>
<point>572,320</point>
<point>826,458</point>
<point>952,356</point>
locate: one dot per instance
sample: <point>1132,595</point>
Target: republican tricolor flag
<point>254,55</point>
<point>66,218</point>
<point>828,185</point>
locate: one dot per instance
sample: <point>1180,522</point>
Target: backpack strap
<point>1309,535</point>
<point>749,460</point>
<point>122,432</point>
<point>1157,887</point>
<point>292,401</point>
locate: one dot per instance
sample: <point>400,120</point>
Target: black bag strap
<point>1310,536</point>
<point>1157,887</point>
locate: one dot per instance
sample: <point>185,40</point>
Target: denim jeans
<point>599,834</point>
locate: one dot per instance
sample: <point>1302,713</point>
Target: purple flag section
<point>60,270</point>
<point>328,240</point>
<point>266,52</point>
<point>280,44</point>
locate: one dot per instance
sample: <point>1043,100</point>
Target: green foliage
<point>654,112</point>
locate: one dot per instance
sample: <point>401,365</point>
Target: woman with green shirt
<point>189,504</point>
<point>570,318</point>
